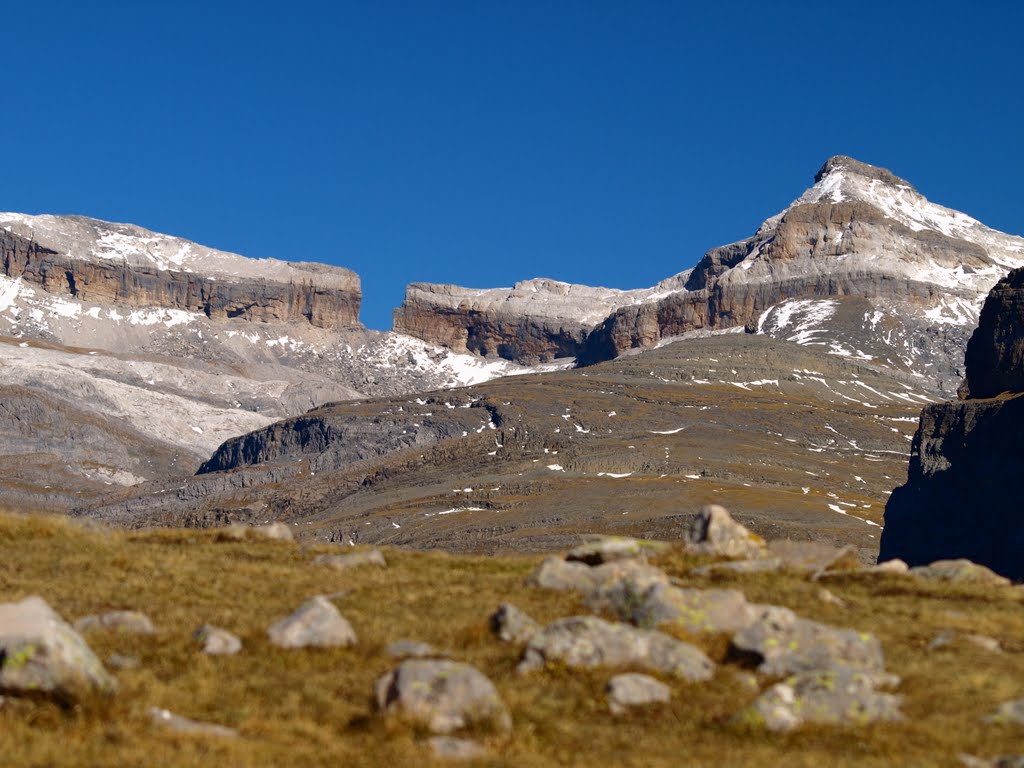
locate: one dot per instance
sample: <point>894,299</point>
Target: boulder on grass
<point>714,532</point>
<point>589,642</point>
<point>40,654</point>
<point>317,624</point>
<point>441,696</point>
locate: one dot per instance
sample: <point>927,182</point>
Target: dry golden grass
<point>313,707</point>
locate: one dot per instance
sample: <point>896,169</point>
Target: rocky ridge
<point>167,348</point>
<point>861,264</point>
<point>958,500</point>
<point>808,446</point>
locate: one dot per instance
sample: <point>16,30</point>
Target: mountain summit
<point>860,264</point>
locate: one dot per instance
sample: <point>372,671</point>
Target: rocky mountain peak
<point>840,163</point>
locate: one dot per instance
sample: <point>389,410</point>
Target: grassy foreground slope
<point>314,707</point>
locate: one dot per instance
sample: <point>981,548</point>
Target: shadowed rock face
<point>959,500</point>
<point>228,286</point>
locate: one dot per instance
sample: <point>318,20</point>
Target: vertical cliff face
<point>534,321</point>
<point>99,262</point>
<point>960,499</point>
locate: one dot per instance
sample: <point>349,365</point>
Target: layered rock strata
<point>916,272</point>
<point>959,500</point>
<point>99,262</point>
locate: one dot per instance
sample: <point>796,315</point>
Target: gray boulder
<point>316,624</point>
<point>41,654</point>
<point>714,532</point>
<point>692,610</point>
<point>512,625</point>
<point>782,643</point>
<point>352,560</point>
<point>217,641</point>
<point>588,642</point>
<point>164,718</point>
<point>126,622</point>
<point>599,583</point>
<point>835,697</point>
<point>597,550</point>
<point>634,690</point>
<point>959,571</point>
<point>442,696</point>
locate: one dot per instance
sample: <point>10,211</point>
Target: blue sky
<point>480,143</point>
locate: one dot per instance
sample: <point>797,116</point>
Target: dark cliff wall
<point>135,286</point>
<point>960,499</point>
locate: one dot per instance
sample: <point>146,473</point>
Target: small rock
<point>829,598</point>
<point>410,649</point>
<point>947,637</point>
<point>599,550</point>
<point>442,696</point>
<point>275,532</point>
<point>892,566</point>
<point>1010,712</point>
<point>959,572</point>
<point>316,624</point>
<point>42,654</point>
<point>556,573</point>
<point>351,560</point>
<point>692,610</point>
<point>120,661</point>
<point>512,625</point>
<point>588,642</point>
<point>714,532</point>
<point>172,722</point>
<point>784,644</point>
<point>596,582</point>
<point>984,642</point>
<point>813,557</point>
<point>217,641</point>
<point>126,622</point>
<point>448,748</point>
<point>836,697</point>
<point>634,690</point>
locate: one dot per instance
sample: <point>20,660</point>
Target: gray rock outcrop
<point>588,642</point>
<point>837,697</point>
<point>782,643</point>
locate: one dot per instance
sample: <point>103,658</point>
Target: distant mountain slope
<point>168,347</point>
<point>860,264</point>
<point>808,445</point>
